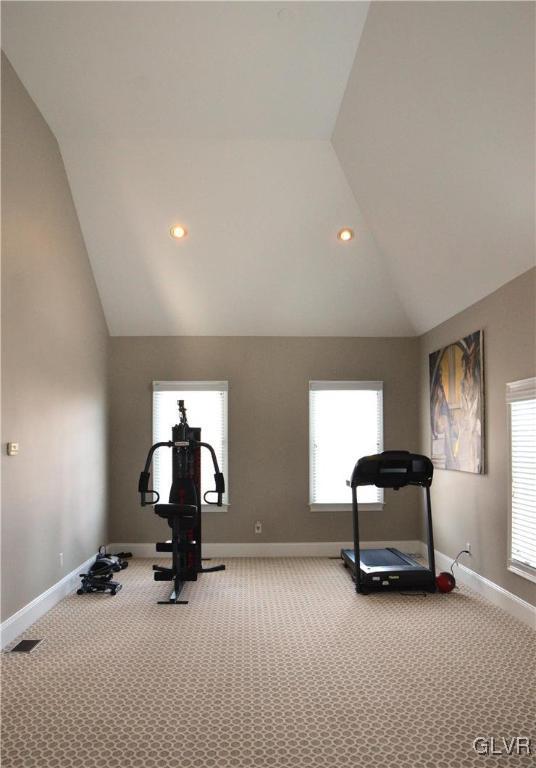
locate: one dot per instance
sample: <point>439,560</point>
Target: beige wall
<point>474,508</point>
<point>54,350</point>
<point>268,429</point>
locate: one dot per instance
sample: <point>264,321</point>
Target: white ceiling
<point>187,70</point>
<point>219,116</point>
<point>436,136</point>
<point>262,256</point>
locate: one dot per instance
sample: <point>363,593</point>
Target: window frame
<point>201,386</point>
<point>516,391</point>
<point>334,385</point>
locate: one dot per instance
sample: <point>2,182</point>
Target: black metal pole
<point>176,560</point>
<point>431,553</point>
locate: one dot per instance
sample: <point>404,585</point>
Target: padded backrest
<point>183,491</point>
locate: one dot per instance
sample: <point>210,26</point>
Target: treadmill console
<point>393,469</point>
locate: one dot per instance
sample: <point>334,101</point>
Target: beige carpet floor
<point>276,662</point>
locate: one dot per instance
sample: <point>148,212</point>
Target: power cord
<point>455,561</point>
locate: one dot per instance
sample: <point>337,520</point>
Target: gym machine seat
<point>175,510</point>
<point>389,569</point>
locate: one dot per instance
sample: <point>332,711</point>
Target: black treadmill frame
<point>422,578</point>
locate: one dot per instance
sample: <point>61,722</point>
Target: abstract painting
<point>457,405</point>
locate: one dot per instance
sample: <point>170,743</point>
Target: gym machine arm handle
<point>143,483</point>
<point>219,480</point>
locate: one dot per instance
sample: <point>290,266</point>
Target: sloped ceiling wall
<point>262,257</point>
<point>436,137</point>
<point>264,128</point>
<point>217,116</point>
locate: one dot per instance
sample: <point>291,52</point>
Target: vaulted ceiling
<point>264,128</point>
<point>436,136</point>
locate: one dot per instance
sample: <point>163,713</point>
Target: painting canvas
<point>457,405</point>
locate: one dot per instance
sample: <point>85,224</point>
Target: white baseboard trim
<point>270,549</point>
<point>19,622</point>
<point>497,595</point>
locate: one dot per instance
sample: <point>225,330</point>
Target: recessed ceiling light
<point>345,234</point>
<point>178,232</point>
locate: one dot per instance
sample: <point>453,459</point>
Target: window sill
<point>522,570</point>
<point>371,507</point>
<point>214,508</point>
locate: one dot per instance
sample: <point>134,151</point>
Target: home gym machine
<point>389,569</point>
<point>183,512</point>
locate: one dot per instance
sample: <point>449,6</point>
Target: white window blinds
<point>521,400</point>
<point>345,423</point>
<point>206,407</point>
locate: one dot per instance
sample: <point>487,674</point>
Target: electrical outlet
<point>468,547</point>
<point>258,527</point>
<point>61,559</point>
<point>12,449</point>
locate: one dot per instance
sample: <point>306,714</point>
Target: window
<point>345,423</point>
<point>206,407</point>
<point>521,400</point>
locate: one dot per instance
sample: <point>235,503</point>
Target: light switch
<point>12,449</point>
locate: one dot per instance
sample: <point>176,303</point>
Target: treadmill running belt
<point>381,557</point>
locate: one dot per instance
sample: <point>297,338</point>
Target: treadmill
<point>388,569</point>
